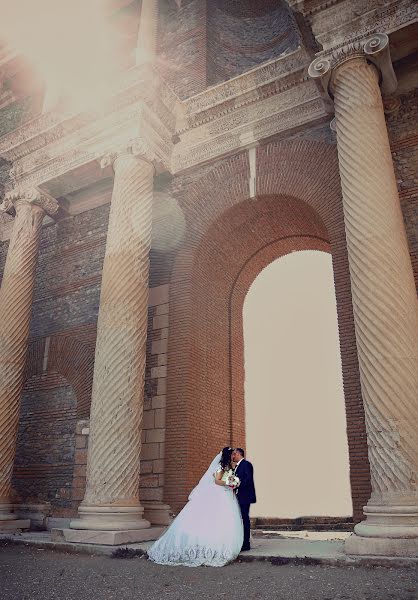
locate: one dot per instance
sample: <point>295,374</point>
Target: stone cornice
<point>270,100</point>
<point>240,90</point>
<point>310,7</point>
<point>137,87</point>
<point>279,115</point>
<point>339,22</point>
<point>51,145</point>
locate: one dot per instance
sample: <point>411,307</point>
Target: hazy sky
<point>295,417</point>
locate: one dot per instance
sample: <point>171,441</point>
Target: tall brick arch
<point>230,239</point>
<point>57,391</point>
<point>70,354</point>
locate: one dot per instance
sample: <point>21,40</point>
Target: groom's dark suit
<point>245,496</point>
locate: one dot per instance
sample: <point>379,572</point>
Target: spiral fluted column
<point>30,207</point>
<point>111,500</point>
<point>384,306</point>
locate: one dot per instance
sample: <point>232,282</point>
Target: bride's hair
<point>226,458</point>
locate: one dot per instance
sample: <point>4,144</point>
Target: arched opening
<point>295,417</point>
<point>229,239</point>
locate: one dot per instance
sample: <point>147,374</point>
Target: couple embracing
<point>214,526</point>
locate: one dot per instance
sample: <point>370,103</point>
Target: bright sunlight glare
<point>70,43</point>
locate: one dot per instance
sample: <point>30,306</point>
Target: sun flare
<point>69,43</point>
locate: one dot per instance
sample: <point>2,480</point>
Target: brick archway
<point>71,354</point>
<point>58,380</point>
<point>229,240</point>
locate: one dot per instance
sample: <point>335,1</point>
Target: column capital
<point>374,49</point>
<point>138,148</point>
<point>32,196</point>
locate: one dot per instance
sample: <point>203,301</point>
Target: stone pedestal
<point>384,301</point>
<point>14,525</point>
<point>110,538</point>
<point>111,501</point>
<point>157,513</point>
<point>30,207</point>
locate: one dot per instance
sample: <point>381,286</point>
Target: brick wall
<point>242,34</point>
<point>43,469</point>
<point>154,419</point>
<point>68,276</point>
<point>205,42</point>
<point>182,45</point>
<point>78,487</point>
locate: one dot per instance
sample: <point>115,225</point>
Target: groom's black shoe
<point>245,548</point>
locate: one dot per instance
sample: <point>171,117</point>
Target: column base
<point>367,546</point>
<point>386,531</point>
<point>14,525</point>
<point>9,521</point>
<point>6,511</point>
<point>111,538</point>
<point>37,513</point>
<point>110,518</point>
<point>157,513</point>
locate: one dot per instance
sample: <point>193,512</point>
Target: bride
<point>208,531</point>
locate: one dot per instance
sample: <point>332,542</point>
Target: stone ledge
<point>107,538</point>
<point>276,554</point>
<point>14,525</point>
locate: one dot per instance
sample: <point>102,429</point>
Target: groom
<point>246,491</point>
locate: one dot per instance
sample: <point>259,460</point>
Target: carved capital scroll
<point>374,49</point>
<point>137,147</point>
<point>33,196</point>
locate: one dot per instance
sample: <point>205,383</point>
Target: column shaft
<point>111,501</point>
<point>147,34</point>
<point>15,310</point>
<point>384,300</point>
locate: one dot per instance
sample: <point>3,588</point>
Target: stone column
<point>147,34</point>
<point>30,207</point>
<point>384,303</point>
<point>111,509</point>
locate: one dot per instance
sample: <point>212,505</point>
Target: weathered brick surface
<point>245,33</point>
<point>46,442</point>
<point>182,43</point>
<point>204,42</point>
<point>69,269</point>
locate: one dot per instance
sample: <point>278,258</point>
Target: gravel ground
<point>27,573</point>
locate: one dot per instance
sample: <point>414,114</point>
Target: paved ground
<point>27,573</point>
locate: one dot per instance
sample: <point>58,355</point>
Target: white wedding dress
<point>208,531</point>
